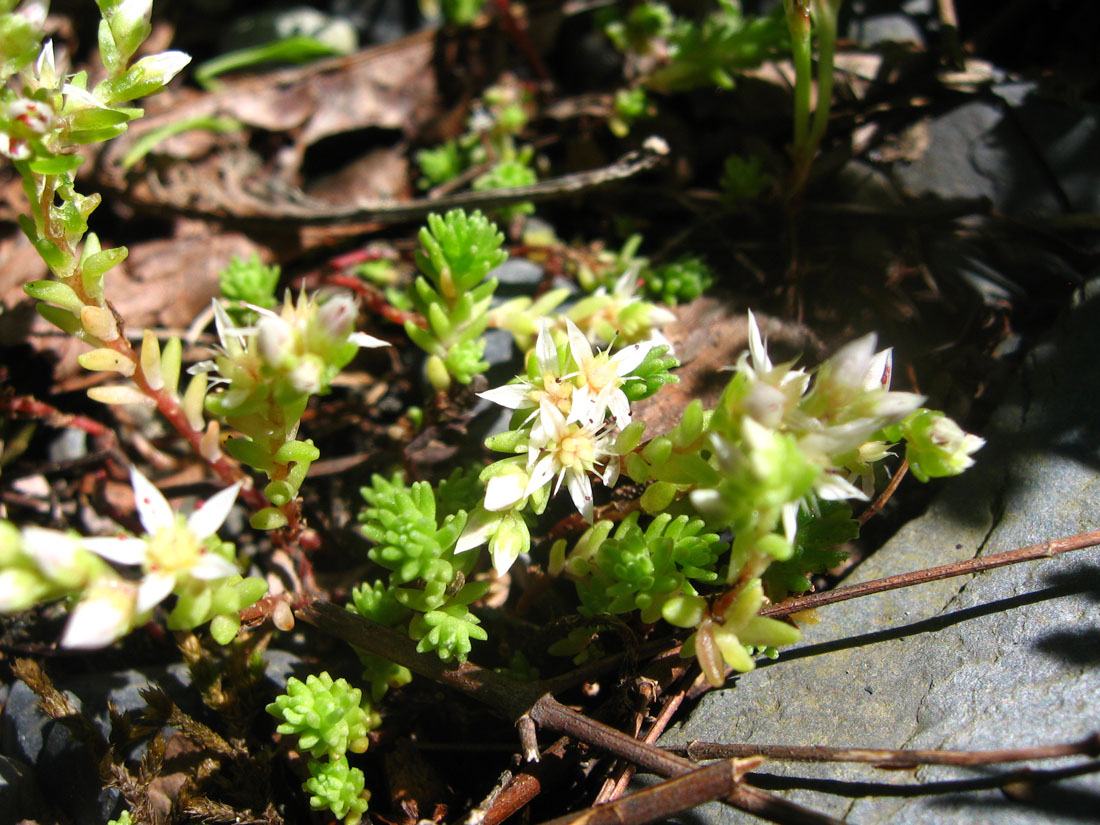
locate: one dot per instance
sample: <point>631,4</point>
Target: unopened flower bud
<point>306,376</point>
<point>275,338</point>
<point>337,316</point>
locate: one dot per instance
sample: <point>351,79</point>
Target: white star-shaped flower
<point>569,450</point>
<point>602,375</point>
<point>550,385</point>
<point>172,550</point>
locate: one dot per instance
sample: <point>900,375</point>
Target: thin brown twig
<point>681,793</point>
<point>1046,549</point>
<point>670,705</point>
<point>875,506</point>
<point>888,758</point>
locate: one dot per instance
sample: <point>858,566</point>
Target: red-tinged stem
<point>25,405</point>
<point>1046,549</point>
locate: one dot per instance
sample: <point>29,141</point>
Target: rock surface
<point>1006,658</point>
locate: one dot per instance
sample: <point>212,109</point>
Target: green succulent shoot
<point>328,716</point>
<point>453,294</point>
<point>338,787</point>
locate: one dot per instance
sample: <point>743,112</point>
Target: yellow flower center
<point>558,393</point>
<point>576,451</point>
<point>598,372</point>
<point>173,548</point>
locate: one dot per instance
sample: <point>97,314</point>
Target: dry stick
<point>531,699</point>
<point>549,713</point>
<point>668,798</point>
<point>1090,746</point>
<point>671,704</point>
<point>880,502</point>
<point>1043,550</point>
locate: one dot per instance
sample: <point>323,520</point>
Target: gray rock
<point>877,29</point>
<point>498,347</point>
<point>1028,155</point>
<point>518,272</point>
<point>65,770</point>
<point>1006,658</point>
<point>71,444</point>
<point>1064,137</point>
<point>975,151</point>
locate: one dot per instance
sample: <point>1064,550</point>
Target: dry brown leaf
<point>390,87</point>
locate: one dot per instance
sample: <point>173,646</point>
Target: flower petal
<point>546,354</point>
<point>579,346</point>
<point>619,405</point>
<point>790,520</point>
<point>760,360</point>
<point>479,527</point>
<point>580,490</point>
<point>512,396</point>
<point>628,358</point>
<point>50,549</point>
<point>361,339</point>
<point>610,472</point>
<point>540,474</point>
<point>878,371</point>
<point>102,616</point>
<point>206,519</point>
<point>154,589</point>
<point>504,490</point>
<point>153,508</point>
<point>211,566</point>
<point>552,421</point>
<point>832,487</point>
<point>121,549</point>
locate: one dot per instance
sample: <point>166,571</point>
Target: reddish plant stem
<point>519,34</point>
<point>1046,549</point>
<point>25,405</point>
<point>1090,746</point>
<point>375,300</point>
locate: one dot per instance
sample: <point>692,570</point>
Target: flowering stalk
<point>773,464</point>
<point>569,408</point>
<point>45,117</point>
<point>803,18</point>
<point>262,378</point>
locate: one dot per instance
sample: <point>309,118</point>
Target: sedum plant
<point>679,281</point>
<point>330,718</point>
<point>426,592</point>
<point>739,503</point>
<point>489,141</point>
<point>248,282</point>
<point>262,378</point>
<point>773,465</point>
<point>677,53</point>
<point>453,293</point>
<point>176,556</point>
<point>45,117</point>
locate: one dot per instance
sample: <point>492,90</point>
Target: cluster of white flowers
<point>577,404</point>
